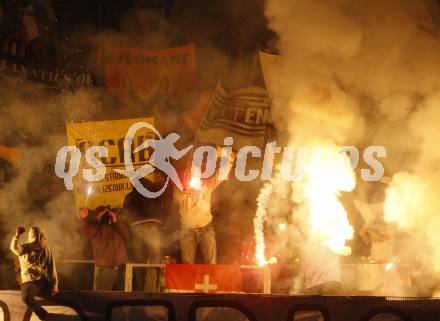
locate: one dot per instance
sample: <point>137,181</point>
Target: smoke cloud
<point>361,73</point>
<point>33,118</point>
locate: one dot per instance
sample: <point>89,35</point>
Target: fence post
<point>128,277</point>
<point>267,285</point>
<point>94,277</point>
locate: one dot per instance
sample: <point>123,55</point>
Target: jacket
<point>36,262</point>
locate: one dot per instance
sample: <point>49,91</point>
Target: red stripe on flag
<point>203,278</point>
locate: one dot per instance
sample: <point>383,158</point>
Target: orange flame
<point>195,183</point>
<point>326,174</point>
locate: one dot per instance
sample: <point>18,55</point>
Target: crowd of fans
<point>136,233</point>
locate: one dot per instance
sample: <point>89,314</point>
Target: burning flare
<point>89,191</point>
<point>328,172</point>
<point>259,219</point>
<point>325,173</point>
<point>195,183</point>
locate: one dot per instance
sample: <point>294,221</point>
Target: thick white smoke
<point>412,199</point>
<point>363,73</point>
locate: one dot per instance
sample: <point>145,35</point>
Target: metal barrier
<point>98,306</point>
<point>83,262</point>
<point>267,282</point>
<point>351,276</point>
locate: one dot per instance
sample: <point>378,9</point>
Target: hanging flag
<point>203,278</point>
<point>161,81</point>
<point>194,116</point>
<point>243,114</point>
<point>149,75</point>
<point>113,188</point>
<point>269,65</point>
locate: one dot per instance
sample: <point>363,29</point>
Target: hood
<point>35,235</point>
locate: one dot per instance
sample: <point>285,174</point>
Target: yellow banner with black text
<point>112,189</point>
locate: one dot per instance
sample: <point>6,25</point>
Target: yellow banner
<point>111,134</point>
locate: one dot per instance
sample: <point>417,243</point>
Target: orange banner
<point>12,155</point>
<point>150,76</point>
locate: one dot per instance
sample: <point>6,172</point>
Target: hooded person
<point>38,271</point>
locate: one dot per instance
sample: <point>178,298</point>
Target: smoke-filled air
<point>238,146</point>
<point>356,73</point>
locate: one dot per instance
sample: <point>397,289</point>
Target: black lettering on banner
<point>83,145</point>
<point>116,187</point>
<point>106,143</point>
<point>114,176</point>
<point>121,150</point>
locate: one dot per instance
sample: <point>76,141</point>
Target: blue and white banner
<point>243,114</point>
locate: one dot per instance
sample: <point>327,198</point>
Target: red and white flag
<point>204,278</point>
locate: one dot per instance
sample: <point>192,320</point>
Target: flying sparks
<point>259,219</point>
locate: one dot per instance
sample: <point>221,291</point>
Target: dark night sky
<point>238,24</point>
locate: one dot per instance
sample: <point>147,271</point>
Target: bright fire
<point>389,266</point>
<point>260,217</point>
<point>327,173</point>
<point>195,183</point>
